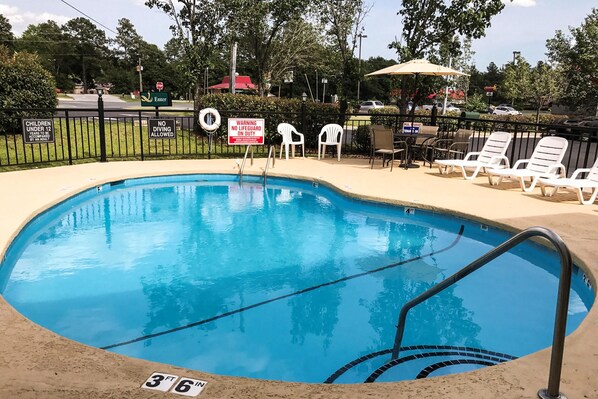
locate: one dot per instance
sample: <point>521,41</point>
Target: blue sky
<point>524,25</point>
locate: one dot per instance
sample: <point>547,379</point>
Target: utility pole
<point>361,36</point>
<point>515,55</point>
<point>139,69</point>
<point>233,69</point>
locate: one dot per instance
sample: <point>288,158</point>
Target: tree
<point>6,36</point>
<point>199,30</point>
<point>90,48</point>
<point>431,25</point>
<point>576,58</point>
<point>545,86</point>
<point>24,83</point>
<point>259,27</point>
<point>516,82</point>
<point>53,48</point>
<point>343,20</point>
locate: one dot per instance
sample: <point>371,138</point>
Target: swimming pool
<point>194,271</point>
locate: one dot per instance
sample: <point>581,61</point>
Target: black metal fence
<point>99,134</point>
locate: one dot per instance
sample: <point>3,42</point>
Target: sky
<point>523,25</point>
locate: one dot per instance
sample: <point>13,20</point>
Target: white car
<point>439,105</point>
<point>366,106</point>
<point>505,110</point>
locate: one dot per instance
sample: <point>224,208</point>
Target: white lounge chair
<point>286,130</point>
<point>333,136</point>
<point>544,162</point>
<point>590,182</point>
<point>492,155</point>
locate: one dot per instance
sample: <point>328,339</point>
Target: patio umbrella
<point>417,67</point>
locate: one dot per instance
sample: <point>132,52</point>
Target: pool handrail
<point>560,324</point>
<point>271,155</point>
<point>242,166</point>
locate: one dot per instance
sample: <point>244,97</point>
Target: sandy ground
<point>36,363</point>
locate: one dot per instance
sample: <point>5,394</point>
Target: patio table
<point>409,136</point>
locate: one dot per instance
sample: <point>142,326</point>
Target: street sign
<point>156,99</point>
<point>246,131</point>
<point>161,129</point>
<point>38,131</point>
<point>489,94</point>
<point>159,86</point>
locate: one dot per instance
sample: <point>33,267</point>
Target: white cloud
<point>521,3</point>
<point>20,20</point>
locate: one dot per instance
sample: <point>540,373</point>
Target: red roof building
<point>242,83</point>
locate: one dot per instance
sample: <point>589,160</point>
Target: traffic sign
<point>156,99</point>
<point>159,86</point>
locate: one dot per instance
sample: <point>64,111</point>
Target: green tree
<point>89,45</point>
<point>545,86</point>
<point>262,29</point>
<point>516,84</point>
<point>576,57</point>
<point>343,21</point>
<point>6,36</point>
<point>432,25</point>
<point>53,48</point>
<point>24,83</point>
<point>199,29</point>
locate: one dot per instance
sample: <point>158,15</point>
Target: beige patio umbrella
<point>417,67</point>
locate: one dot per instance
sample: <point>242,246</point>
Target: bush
<point>274,111</point>
<point>24,83</point>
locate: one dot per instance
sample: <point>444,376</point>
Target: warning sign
<point>246,131</point>
<point>38,131</point>
<point>162,129</point>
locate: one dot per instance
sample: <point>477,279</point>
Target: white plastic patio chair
<point>589,183</point>
<point>544,162</point>
<point>333,136</point>
<point>492,155</point>
<point>286,130</point>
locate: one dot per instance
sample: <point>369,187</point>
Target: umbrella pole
<point>414,94</point>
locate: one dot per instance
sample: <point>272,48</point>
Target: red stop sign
<point>159,85</point>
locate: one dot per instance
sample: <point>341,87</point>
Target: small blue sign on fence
<point>410,129</point>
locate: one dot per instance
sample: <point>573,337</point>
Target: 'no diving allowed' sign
<point>161,129</point>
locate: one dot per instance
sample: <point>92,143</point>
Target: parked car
<point>439,105</point>
<point>366,106</point>
<point>505,110</point>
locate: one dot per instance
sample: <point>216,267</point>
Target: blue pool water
<point>291,281</point>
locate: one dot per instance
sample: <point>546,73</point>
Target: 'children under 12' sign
<point>246,131</point>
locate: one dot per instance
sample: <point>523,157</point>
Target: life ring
<point>215,120</point>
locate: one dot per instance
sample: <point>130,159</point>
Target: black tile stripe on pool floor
<point>303,291</point>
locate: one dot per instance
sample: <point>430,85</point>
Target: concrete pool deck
<point>36,363</point>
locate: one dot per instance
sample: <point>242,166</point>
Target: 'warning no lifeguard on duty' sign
<point>246,131</point>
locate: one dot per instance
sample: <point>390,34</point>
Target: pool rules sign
<point>38,131</point>
<point>246,131</point>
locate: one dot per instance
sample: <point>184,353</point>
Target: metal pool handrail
<point>271,155</point>
<point>242,165</point>
<point>562,305</point>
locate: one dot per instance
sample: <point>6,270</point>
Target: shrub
<point>274,111</point>
<point>24,83</point>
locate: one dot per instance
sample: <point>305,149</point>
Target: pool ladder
<point>271,155</point>
<point>558,343</point>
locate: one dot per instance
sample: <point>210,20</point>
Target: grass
<point>125,139</point>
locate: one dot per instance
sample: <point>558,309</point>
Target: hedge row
<point>274,111</point>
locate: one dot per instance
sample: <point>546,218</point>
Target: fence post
<point>303,112</point>
<point>102,127</point>
<point>68,137</point>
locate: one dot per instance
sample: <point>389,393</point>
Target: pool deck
<point>36,363</point>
